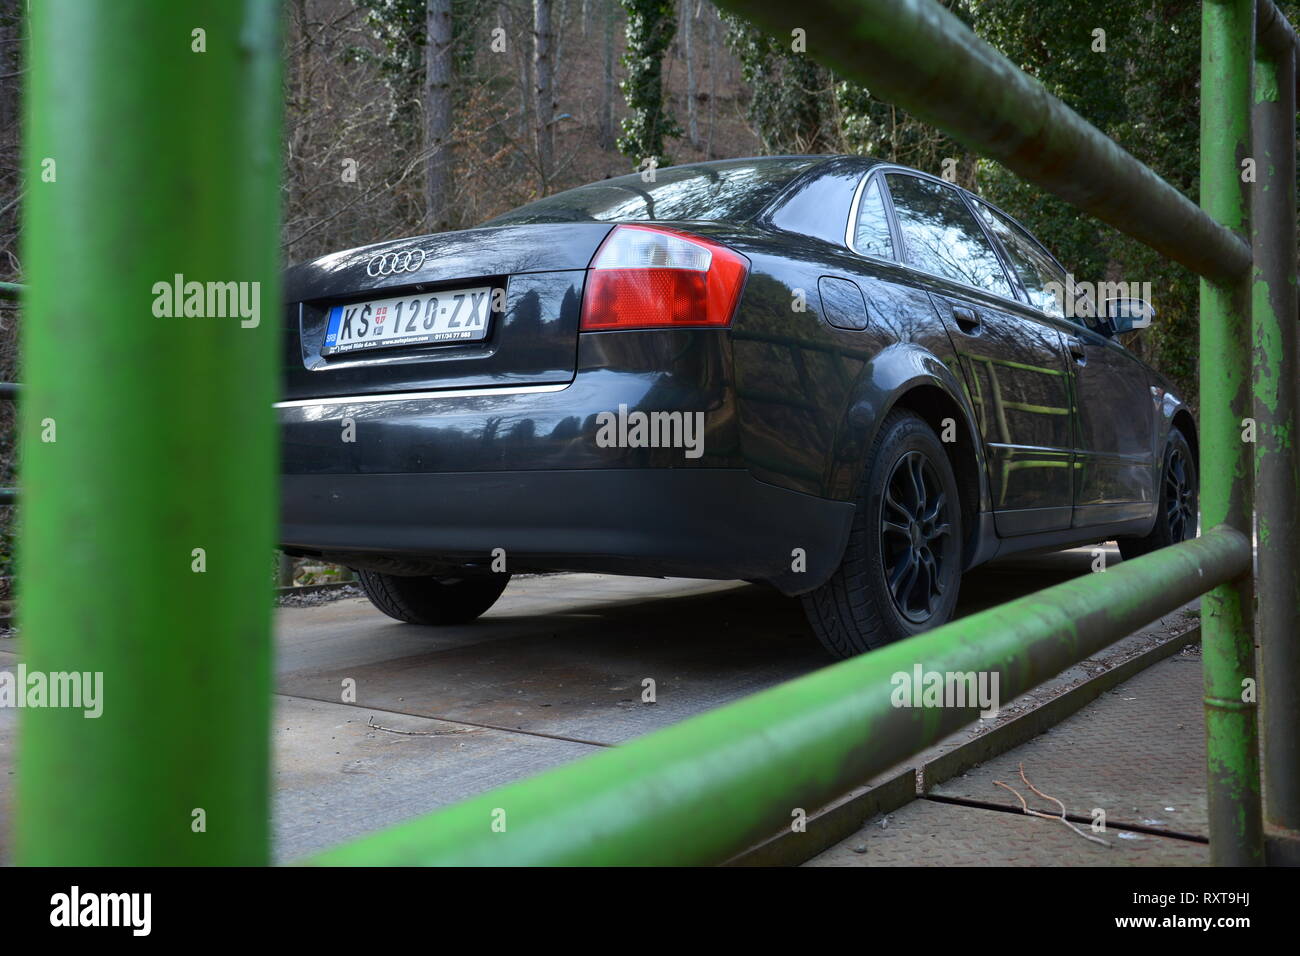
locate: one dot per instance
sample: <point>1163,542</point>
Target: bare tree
<point>689,12</point>
<point>437,112</point>
<point>544,91</point>
<point>605,120</point>
<point>562,17</point>
<point>712,20</point>
<point>524,66</point>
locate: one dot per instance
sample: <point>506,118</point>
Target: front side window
<point>942,237</point>
<point>1042,279</point>
<point>871,232</point>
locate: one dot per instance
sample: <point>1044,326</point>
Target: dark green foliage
<point>651,25</point>
<point>791,102</point>
<point>400,26</point>
<point>1144,92</point>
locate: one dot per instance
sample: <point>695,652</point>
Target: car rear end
<point>557,395</point>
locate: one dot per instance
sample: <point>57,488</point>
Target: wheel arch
<point>1184,422</point>
<point>905,376</point>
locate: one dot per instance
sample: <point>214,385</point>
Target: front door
<point>1012,356</point>
<point>1115,409</point>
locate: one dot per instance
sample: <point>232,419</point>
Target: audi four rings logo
<point>388,263</point>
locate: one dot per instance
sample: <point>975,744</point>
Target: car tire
<point>432,600</point>
<point>1179,496</point>
<point>902,566</point>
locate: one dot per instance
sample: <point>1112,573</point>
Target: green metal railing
<point>1274,384</point>
<point>148,442</point>
<point>185,654</point>
<point>9,392</point>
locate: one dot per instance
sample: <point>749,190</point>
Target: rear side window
<point>1036,270</point>
<point>871,231</point>
<point>942,237</point>
<point>729,191</point>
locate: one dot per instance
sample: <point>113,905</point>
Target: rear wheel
<point>902,566</point>
<point>432,600</point>
<point>1179,501</point>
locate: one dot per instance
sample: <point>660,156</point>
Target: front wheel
<point>902,567</point>
<point>1178,502</point>
<point>432,600</point>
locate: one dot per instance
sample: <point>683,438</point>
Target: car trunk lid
<point>529,277</point>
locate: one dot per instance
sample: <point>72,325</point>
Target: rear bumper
<point>451,476</point>
<point>705,523</point>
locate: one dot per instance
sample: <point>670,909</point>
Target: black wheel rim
<point>914,521</point>
<point>1180,497</point>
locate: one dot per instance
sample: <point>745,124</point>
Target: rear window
<point>735,190</point>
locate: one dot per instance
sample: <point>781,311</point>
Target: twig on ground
<point>370,722</point>
<point>1046,816</point>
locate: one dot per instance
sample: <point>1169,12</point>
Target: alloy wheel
<point>915,516</point>
<point>1180,497</point>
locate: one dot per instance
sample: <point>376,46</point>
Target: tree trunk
<point>10,61</point>
<point>544,93</point>
<point>437,112</point>
<point>524,60</point>
<point>557,58</point>
<point>688,31</point>
<point>607,84</point>
<point>713,76</point>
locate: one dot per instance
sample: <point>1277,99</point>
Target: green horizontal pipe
<point>702,790</point>
<point>1274,35</point>
<point>11,290</point>
<point>918,55</point>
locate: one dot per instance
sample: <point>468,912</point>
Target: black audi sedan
<point>844,378</point>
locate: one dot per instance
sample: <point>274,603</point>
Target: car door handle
<point>1077,352</point>
<point>967,319</point>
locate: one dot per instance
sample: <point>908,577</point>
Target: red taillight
<point>648,277</point>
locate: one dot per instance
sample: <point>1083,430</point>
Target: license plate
<point>455,315</point>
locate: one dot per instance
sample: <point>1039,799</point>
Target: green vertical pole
<point>1232,743</point>
<point>148,440</point>
<point>1277,480</point>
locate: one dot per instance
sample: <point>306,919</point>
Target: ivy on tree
<point>651,25</point>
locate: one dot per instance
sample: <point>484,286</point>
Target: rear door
<point>1012,356</point>
<point>1116,411</point>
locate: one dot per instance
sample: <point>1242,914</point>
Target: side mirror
<point>1125,315</point>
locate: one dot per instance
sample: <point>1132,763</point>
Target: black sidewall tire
<point>431,600</point>
<point>854,611</point>
<point>1161,536</point>
<point>910,433</point>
